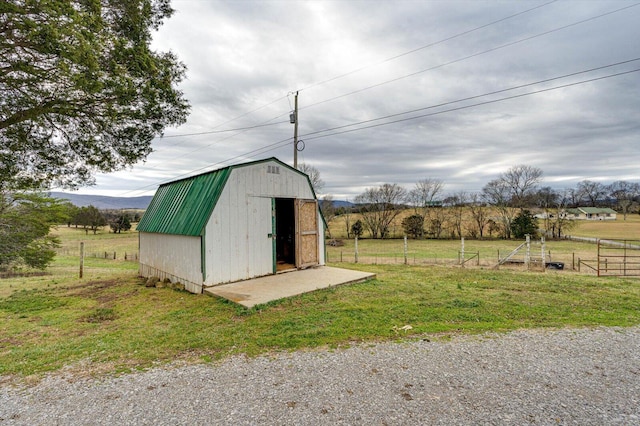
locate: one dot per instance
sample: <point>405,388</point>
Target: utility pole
<point>294,120</point>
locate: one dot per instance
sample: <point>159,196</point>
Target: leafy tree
<point>82,90</point>
<point>90,218</point>
<point>413,226</point>
<point>524,224</point>
<point>70,211</point>
<point>121,223</point>
<point>25,222</point>
<point>357,229</point>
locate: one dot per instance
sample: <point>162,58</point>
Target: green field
<point>108,322</point>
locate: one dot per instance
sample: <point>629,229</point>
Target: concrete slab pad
<point>273,287</point>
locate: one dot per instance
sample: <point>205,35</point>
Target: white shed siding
<point>259,245</point>
<point>176,257</point>
<point>321,240</point>
<point>237,242</point>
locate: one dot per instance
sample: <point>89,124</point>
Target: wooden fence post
<point>81,258</point>
<point>356,250</point>
<point>544,258</point>
<point>405,249</point>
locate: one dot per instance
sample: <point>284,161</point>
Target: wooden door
<point>306,233</point>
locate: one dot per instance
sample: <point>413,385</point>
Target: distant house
<point>232,224</point>
<point>590,213</point>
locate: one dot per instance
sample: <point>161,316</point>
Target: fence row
<point>402,253</point>
<point>110,255</point>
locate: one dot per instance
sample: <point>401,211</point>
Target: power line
<point>475,96</point>
<point>411,74</point>
<point>464,58</point>
<point>458,108</point>
<point>358,70</point>
<point>429,45</point>
<point>276,145</point>
<point>211,132</point>
<point>241,129</point>
<point>477,104</point>
<point>287,141</point>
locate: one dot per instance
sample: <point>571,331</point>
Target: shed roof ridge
<point>172,208</point>
<point>234,166</point>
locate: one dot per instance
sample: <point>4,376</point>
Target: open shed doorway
<point>285,224</point>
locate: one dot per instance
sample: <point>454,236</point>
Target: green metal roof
<point>591,210</point>
<point>183,207</point>
<point>597,210</point>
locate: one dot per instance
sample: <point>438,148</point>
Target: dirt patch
<point>93,285</point>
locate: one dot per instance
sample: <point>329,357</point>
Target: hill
<point>105,202</point>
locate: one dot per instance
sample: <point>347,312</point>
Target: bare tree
<point>328,210</point>
<point>347,219</point>
<point>479,213</point>
<point>457,203</point>
<point>424,194</point>
<point>625,194</point>
<point>591,192</point>
<point>379,206</point>
<point>573,197</point>
<point>498,193</point>
<point>547,200</point>
<point>513,189</point>
<point>522,181</point>
<point>314,176</point>
<point>436,222</point>
<point>559,222</point>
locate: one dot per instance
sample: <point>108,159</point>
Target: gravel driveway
<point>542,377</point>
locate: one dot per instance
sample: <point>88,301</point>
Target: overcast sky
<point>356,62</point>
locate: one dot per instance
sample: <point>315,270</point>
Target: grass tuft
<point>101,315</point>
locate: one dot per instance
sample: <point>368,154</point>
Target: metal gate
<point>618,258</point>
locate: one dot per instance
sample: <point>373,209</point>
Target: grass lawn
<point>110,323</point>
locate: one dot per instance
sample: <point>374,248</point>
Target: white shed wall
<point>237,240</point>
<point>321,240</point>
<point>176,257</point>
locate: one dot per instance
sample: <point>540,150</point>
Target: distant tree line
<point>92,219</point>
<point>503,208</point>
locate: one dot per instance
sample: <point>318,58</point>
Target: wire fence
<point>97,253</point>
<point>484,254</point>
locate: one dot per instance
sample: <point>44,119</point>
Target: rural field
<point>107,322</point>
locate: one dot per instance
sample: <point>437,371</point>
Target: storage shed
<point>232,224</point>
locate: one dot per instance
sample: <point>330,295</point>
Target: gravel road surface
<point>542,377</point>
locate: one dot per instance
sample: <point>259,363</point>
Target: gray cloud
<point>245,57</point>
